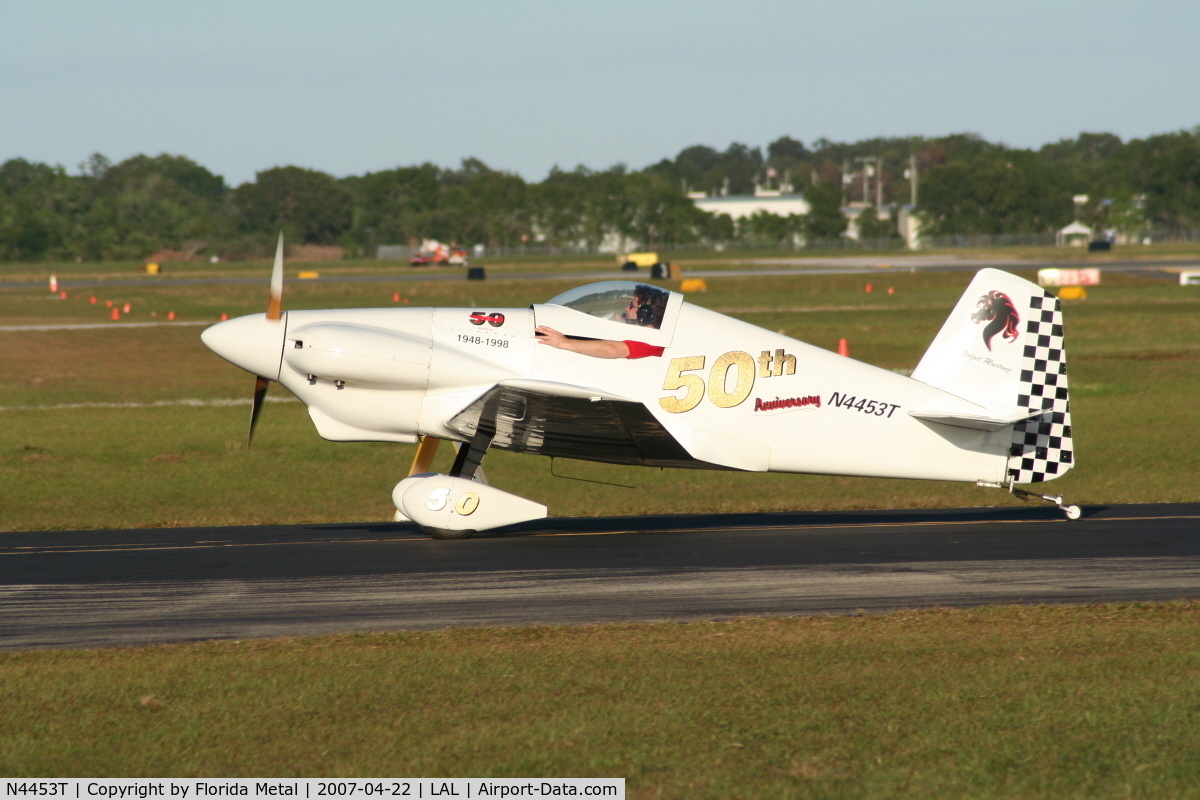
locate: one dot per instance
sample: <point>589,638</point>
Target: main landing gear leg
<point>423,459</point>
<point>470,456</point>
<point>467,465</point>
<point>1072,511</point>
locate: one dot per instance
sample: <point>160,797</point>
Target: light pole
<point>871,170</point>
<point>911,174</point>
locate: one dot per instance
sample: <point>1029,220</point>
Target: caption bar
<point>375,788</point>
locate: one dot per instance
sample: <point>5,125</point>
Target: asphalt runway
<point>132,587</point>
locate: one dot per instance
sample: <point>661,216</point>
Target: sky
<point>358,86</point>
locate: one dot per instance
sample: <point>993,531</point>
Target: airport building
<point>784,204</point>
<point>742,206</point>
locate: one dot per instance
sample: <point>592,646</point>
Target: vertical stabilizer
<point>1002,348</point>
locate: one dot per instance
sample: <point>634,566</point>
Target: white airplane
<point>628,373</point>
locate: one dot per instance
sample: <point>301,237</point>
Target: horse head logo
<point>997,310</point>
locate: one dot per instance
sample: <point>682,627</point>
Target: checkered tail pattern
<point>1041,446</point>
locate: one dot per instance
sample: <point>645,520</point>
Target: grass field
<point>1134,350</point>
<point>1044,702</point>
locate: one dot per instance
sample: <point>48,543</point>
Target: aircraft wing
<point>567,421</point>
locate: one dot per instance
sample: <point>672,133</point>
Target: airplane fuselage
<point>732,394</point>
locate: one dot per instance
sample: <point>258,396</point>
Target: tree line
<point>966,185</point>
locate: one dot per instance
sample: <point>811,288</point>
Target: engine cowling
<point>359,354</point>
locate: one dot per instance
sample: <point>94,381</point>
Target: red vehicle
<point>441,256</point>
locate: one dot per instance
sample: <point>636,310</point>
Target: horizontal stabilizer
<point>974,421</point>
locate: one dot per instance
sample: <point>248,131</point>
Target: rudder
<point>1042,447</point>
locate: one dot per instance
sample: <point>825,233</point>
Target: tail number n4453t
<point>876,407</point>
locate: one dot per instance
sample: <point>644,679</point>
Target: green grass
<point>1134,351</point>
<point>990,703</point>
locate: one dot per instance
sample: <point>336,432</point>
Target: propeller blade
<point>260,394</point>
<point>275,312</point>
<point>275,302</point>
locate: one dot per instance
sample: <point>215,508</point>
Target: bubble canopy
<point>618,301</point>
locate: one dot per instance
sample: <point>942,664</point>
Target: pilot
<point>646,308</point>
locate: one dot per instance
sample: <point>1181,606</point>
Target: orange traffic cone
<point>395,297</point>
<point>63,295</point>
<point>891,290</point>
<point>170,315</point>
<point>843,348</point>
<point>116,313</point>
<point>126,309</point>
<point>108,303</point>
<point>53,283</point>
<point>870,288</point>
<point>224,316</point>
<point>92,299</point>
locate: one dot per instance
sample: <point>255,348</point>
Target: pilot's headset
<point>645,313</point>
